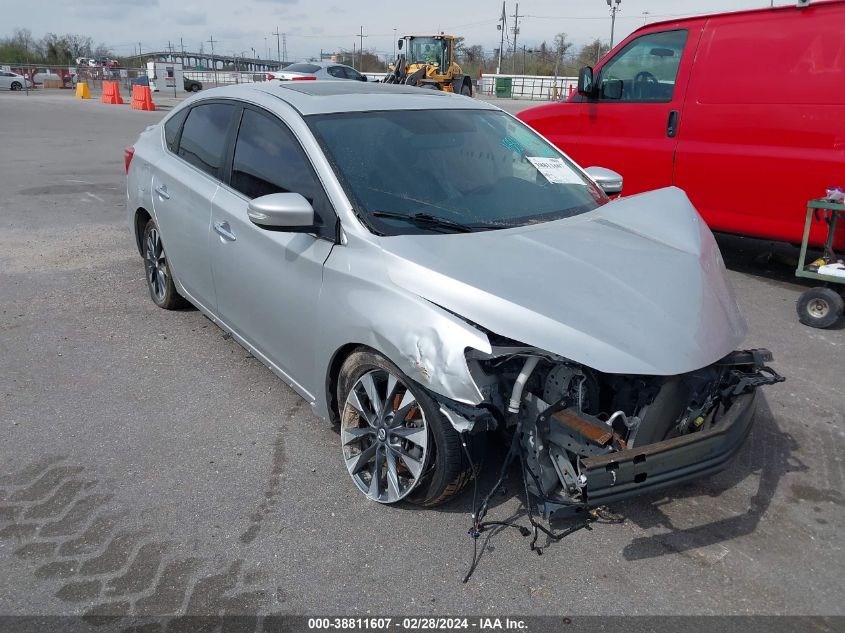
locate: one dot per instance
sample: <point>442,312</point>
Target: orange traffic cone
<point>142,98</point>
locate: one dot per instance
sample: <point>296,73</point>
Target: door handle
<point>672,124</point>
<point>225,231</point>
<point>162,191</point>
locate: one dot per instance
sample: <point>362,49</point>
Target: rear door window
<point>647,66</point>
<point>205,135</point>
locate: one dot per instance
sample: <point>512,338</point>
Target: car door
<point>636,134</point>
<point>5,79</point>
<point>185,180</point>
<point>268,282</point>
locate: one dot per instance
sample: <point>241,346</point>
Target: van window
<point>203,141</point>
<point>647,66</point>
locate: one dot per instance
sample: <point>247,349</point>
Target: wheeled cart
<point>821,306</point>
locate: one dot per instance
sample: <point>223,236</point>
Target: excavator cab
<point>428,61</point>
<point>435,51</point>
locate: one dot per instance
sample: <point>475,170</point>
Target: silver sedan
<point>423,268</point>
<point>316,70</point>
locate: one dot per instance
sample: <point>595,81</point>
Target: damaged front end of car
<point>587,438</point>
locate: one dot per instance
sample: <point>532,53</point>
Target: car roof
<point>322,64</point>
<point>324,97</point>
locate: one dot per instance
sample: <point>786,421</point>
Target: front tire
<point>159,278</point>
<point>395,442</point>
<point>16,85</point>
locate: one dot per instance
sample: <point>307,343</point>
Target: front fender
<point>358,304</point>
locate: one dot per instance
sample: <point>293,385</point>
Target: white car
<point>45,74</point>
<point>13,81</point>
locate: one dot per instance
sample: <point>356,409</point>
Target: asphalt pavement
<point>149,465</point>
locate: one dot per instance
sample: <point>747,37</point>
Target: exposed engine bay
<point>585,437</point>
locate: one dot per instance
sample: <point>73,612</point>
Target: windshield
<point>425,49</point>
<point>479,168</point>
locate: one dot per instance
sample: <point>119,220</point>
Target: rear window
<point>203,141</point>
<point>301,68</point>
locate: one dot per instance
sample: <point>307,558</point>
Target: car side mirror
<point>608,180</point>
<point>363,78</point>
<point>282,212</point>
<point>585,81</point>
<point>612,89</point>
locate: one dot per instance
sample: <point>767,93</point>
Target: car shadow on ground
<point>767,455</point>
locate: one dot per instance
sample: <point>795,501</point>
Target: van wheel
<point>395,442</point>
<point>820,307</point>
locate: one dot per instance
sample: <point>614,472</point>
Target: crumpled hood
<point>637,286</point>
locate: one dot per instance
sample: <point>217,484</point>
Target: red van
<point>745,111</point>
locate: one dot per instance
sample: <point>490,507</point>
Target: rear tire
<point>820,307</point>
<point>159,278</point>
<point>445,469</point>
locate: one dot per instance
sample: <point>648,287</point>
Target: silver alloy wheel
<point>384,437</point>
<point>156,265</point>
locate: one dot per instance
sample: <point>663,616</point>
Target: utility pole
<point>140,59</point>
<point>284,47</point>
<point>182,46</point>
<point>515,17</point>
<point>278,48</point>
<point>502,27</point>
<point>353,55</point>
<point>361,37</point>
<point>213,61</point>
<point>645,17</point>
<point>266,50</point>
<point>173,61</point>
<point>394,44</point>
<point>613,10</point>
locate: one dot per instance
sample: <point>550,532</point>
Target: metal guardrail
<point>534,87</point>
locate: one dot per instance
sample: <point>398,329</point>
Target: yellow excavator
<point>428,61</point>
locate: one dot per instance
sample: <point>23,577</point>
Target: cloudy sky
<point>312,25</point>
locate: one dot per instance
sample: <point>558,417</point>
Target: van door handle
<point>225,231</point>
<point>672,124</point>
<point>162,191</point>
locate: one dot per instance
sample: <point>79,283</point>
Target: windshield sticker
<point>555,170</point>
